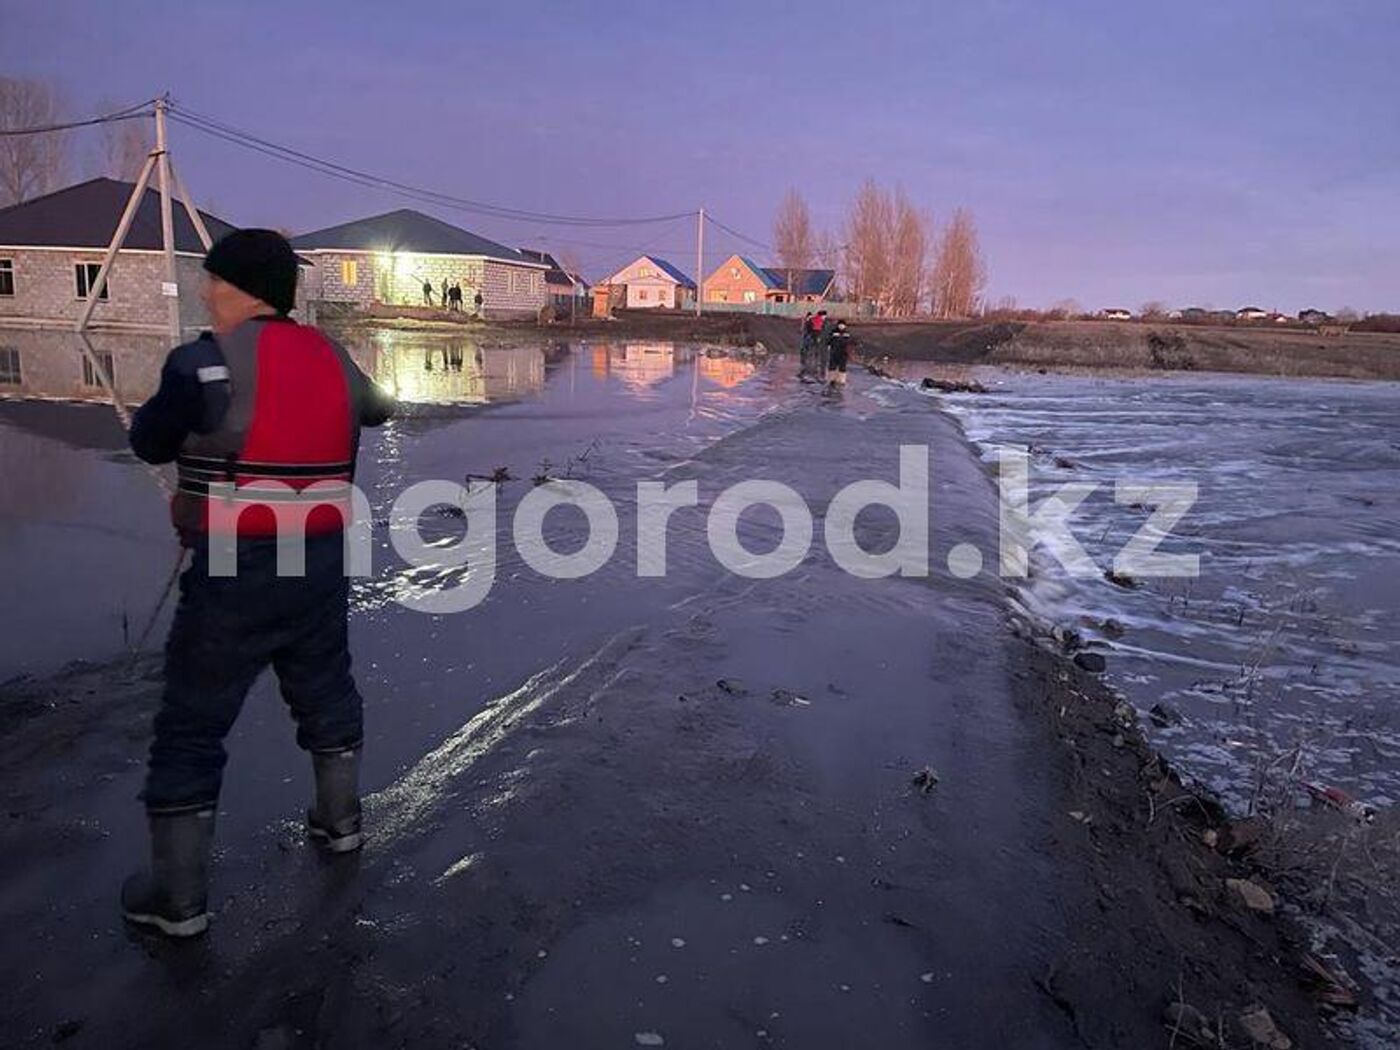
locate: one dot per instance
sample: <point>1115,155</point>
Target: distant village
<point>408,264</point>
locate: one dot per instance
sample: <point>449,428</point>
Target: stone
<point>1255,897</point>
<point>1259,1026</point>
<point>1094,663</point>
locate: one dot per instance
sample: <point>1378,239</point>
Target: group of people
<point>451,296</point>
<point>825,349</point>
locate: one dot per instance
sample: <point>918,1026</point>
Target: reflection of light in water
<point>636,364</point>
<point>453,370</point>
<point>725,371</point>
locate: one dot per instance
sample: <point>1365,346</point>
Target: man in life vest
<point>262,418</point>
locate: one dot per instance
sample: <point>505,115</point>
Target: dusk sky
<point>1200,153</point>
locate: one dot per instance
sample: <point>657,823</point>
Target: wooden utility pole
<point>699,262</point>
<point>168,182</point>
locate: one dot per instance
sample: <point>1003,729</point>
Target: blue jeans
<point>226,631</point>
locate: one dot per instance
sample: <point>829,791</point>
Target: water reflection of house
<point>450,371</point>
<point>724,370</point>
<point>636,364</point>
<point>50,364</point>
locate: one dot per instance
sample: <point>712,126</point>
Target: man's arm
<point>370,403</point>
<point>180,406</point>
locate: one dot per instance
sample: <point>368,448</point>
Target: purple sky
<point>1205,153</point>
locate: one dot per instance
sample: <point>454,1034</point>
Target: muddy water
<point>1288,643</point>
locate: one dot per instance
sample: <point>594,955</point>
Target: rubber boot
<point>334,821</point>
<point>172,896</point>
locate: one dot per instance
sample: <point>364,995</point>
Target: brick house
<point>51,248</point>
<point>651,283</point>
<point>387,258</point>
<point>741,280</point>
<point>562,286</point>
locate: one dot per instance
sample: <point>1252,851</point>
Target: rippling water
<point>1288,638</point>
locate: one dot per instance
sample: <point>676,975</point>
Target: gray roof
<point>556,274</point>
<point>86,216</point>
<point>404,230</point>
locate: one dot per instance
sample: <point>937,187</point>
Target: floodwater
<point>1287,645</point>
<point>603,811</point>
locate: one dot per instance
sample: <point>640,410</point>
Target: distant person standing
<point>804,350</point>
<point>838,354</point>
<point>427,293</point>
<point>821,334</point>
<point>478,301</point>
<point>446,293</point>
<point>456,291</point>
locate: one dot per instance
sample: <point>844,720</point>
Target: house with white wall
<point>386,259</point>
<point>653,283</point>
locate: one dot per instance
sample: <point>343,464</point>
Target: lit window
<point>85,276</point>
<point>750,297</point>
<point>646,271</point>
<point>10,374</point>
<point>7,277</point>
<point>734,271</point>
<point>349,272</point>
<point>90,374</point>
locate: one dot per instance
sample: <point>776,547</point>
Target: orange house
<point>741,280</point>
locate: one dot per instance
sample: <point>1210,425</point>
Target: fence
<point>848,311</point>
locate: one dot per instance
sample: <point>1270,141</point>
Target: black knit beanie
<point>260,262</point>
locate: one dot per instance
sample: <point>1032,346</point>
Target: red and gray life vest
<point>284,452</point>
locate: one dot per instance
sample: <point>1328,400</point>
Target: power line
<point>742,236</point>
<point>217,129</point>
<point>130,113</point>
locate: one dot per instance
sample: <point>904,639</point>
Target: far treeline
<point>32,165</point>
<point>889,253</point>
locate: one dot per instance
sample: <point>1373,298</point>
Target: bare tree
<point>909,251</point>
<point>793,240</point>
<point>1152,310</point>
<point>869,237</point>
<point>959,273</point>
<point>125,144</point>
<point>1063,309</point>
<point>30,165</point>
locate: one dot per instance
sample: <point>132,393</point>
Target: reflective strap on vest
<point>206,467</point>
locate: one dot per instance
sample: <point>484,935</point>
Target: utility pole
<point>170,287</point>
<point>158,163</point>
<point>699,262</point>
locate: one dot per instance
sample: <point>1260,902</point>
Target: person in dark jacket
<point>259,403</point>
<point>838,355</point>
<point>804,350</point>
<point>446,295</point>
<point>427,293</point>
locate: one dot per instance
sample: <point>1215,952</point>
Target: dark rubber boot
<point>172,896</point>
<point>334,822</point>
